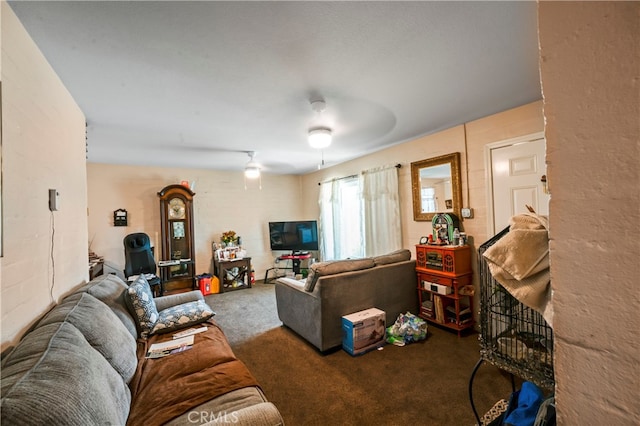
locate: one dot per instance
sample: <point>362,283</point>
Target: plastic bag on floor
<point>407,328</point>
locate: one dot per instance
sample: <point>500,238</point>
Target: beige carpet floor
<point>423,383</point>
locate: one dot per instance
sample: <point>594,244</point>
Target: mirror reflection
<point>436,186</point>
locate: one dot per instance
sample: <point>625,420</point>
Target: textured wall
<point>590,62</point>
<point>43,146</point>
<point>221,203</point>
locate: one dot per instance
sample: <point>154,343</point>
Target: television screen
<point>294,236</point>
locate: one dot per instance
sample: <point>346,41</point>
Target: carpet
<point>423,383</point>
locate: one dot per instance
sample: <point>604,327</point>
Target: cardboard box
<point>363,331</point>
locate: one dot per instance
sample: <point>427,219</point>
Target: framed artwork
<point>448,204</point>
<point>424,240</point>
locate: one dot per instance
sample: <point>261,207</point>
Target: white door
<point>517,170</point>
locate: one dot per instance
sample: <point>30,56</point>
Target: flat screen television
<point>296,236</point>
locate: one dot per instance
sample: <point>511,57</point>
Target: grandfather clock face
<point>176,208</point>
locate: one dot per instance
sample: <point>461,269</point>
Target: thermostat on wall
<point>467,213</point>
<point>54,200</point>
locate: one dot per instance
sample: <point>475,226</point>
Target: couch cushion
<point>393,257</point>
<point>230,402</point>
<point>181,316</point>
<point>110,289</point>
<point>102,329</point>
<point>55,377</point>
<point>142,306</point>
<point>335,267</point>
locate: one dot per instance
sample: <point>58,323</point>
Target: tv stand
<point>295,258</point>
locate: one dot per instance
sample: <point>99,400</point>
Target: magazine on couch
<point>159,350</point>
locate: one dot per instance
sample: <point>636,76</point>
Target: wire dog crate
<point>513,337</point>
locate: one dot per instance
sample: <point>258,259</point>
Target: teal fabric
<point>102,329</point>
<point>182,316</point>
<point>142,306</point>
<point>54,377</point>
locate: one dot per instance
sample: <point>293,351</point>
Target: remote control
<point>189,332</point>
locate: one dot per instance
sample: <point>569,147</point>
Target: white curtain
<point>341,219</point>
<point>360,215</point>
<point>325,224</point>
<point>381,211</point>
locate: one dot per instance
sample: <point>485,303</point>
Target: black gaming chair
<point>138,259</point>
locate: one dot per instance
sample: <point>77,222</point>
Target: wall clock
<point>176,225</point>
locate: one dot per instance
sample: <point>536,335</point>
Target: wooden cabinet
<point>176,224</point>
<point>445,288</point>
<point>234,274</point>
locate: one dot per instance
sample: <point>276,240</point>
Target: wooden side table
<point>96,268</point>
<point>231,278</point>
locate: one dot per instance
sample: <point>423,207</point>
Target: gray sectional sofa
<point>83,364</point>
<point>313,308</point>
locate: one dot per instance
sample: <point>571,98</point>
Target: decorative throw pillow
<point>181,316</point>
<point>312,277</point>
<point>142,306</point>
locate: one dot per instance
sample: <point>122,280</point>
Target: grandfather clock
<point>177,265</point>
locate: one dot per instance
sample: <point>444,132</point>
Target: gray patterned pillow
<point>181,316</point>
<point>142,306</point>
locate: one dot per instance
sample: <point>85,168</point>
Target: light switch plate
<point>467,213</point>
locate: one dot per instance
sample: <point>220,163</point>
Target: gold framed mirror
<point>436,186</point>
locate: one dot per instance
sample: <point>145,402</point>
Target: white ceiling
<point>197,84</point>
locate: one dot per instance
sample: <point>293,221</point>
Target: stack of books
<point>464,317</point>
<point>427,308</point>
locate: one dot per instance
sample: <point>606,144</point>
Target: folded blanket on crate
<point>519,261</point>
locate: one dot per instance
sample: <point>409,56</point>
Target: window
<point>360,215</point>
<point>428,196</point>
<point>341,219</point>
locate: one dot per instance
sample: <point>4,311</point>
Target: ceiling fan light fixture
<point>320,138</point>
<point>252,169</point>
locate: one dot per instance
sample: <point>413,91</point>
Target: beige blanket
<point>520,262</point>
